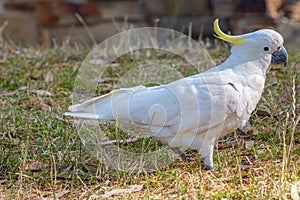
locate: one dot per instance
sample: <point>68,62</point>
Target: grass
<point>42,156</point>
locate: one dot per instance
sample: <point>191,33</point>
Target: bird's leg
<point>185,157</point>
<point>246,128</point>
<point>208,161</point>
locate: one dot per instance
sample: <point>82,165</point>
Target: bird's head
<point>265,43</point>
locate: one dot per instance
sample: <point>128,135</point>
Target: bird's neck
<point>246,66</point>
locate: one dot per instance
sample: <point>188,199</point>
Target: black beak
<point>280,56</point>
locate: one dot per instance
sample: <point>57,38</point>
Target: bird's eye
<point>278,48</point>
<point>266,48</point>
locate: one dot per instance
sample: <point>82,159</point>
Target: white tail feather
<point>104,107</point>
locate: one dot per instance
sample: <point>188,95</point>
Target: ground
<point>42,156</point>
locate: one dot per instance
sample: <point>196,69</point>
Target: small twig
<point>294,118</point>
<point>57,195</point>
<point>23,88</point>
<point>9,94</point>
<point>2,28</point>
<point>132,188</point>
<point>86,27</point>
<point>109,142</point>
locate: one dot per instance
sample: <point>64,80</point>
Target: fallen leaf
<point>103,80</point>
<point>49,77</point>
<point>263,113</point>
<point>255,132</point>
<point>249,144</point>
<point>133,188</point>
<point>267,130</point>
<point>34,166</point>
<point>97,61</point>
<point>294,192</point>
<point>41,92</point>
<point>57,195</point>
<point>23,88</point>
<point>115,64</point>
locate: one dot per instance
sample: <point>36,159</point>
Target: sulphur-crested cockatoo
<point>195,111</point>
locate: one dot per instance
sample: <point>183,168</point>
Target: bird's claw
<point>207,168</point>
<point>186,157</point>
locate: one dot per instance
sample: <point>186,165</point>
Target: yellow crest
<point>235,40</point>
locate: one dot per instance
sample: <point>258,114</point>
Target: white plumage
<point>195,111</point>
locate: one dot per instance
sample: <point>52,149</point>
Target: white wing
<point>193,104</point>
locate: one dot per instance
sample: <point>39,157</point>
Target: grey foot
<point>208,161</point>
<point>247,127</point>
<point>209,168</point>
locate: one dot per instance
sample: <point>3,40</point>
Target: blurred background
<point>48,23</point>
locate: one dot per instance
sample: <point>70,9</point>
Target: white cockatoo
<point>195,111</point>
